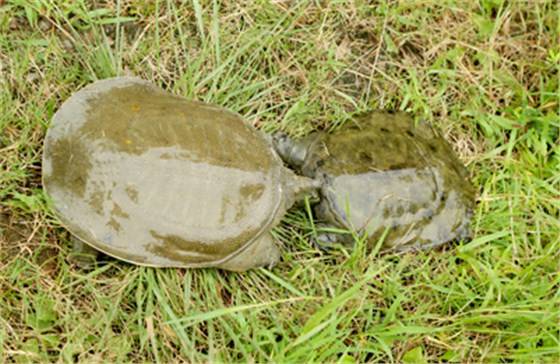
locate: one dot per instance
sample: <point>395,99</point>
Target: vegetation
<point>485,73</point>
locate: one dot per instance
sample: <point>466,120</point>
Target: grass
<point>486,73</point>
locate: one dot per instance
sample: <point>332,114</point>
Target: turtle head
<point>293,152</point>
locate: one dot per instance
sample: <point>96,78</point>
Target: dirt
<point>17,238</point>
<point>11,232</point>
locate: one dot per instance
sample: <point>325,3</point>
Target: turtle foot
<point>82,255</point>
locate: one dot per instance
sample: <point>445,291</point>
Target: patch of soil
<point>11,233</point>
<point>17,238</point>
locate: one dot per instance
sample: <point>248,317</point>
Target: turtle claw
<point>326,240</point>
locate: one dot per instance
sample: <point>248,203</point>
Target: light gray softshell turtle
<point>157,180</point>
<point>381,172</point>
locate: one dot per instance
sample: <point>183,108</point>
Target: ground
<point>485,73</point>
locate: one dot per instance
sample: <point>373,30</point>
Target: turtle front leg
<point>330,231</point>
<point>330,236</point>
<point>83,255</point>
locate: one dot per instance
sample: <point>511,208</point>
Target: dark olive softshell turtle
<point>158,180</point>
<point>381,172</point>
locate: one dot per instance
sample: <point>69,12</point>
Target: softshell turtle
<point>157,180</point>
<point>379,172</point>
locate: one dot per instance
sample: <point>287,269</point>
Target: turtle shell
<point>382,172</point>
<point>158,180</point>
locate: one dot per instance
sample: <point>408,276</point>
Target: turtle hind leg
<point>262,253</point>
<point>82,255</point>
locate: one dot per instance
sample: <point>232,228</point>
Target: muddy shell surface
<point>381,172</point>
<point>158,180</point>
